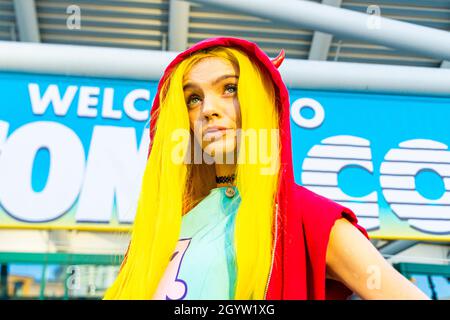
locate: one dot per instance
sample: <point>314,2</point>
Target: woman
<point>219,215</point>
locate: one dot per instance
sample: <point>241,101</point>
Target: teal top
<point>203,265</point>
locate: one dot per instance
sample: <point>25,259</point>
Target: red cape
<point>304,219</point>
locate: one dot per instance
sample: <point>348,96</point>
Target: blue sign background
<point>384,120</point>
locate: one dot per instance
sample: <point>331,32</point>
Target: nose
<point>210,108</point>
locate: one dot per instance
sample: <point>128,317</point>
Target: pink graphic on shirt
<point>170,287</point>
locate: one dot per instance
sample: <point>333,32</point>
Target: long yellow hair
<point>170,188</point>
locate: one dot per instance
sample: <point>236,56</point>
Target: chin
<point>220,149</point>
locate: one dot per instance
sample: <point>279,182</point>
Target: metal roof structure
<point>430,13</point>
<point>8,29</point>
<point>145,24</point>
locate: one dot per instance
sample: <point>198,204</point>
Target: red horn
<point>279,59</point>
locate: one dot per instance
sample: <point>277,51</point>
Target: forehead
<point>209,69</point>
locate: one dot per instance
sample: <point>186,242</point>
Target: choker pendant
<point>230,192</point>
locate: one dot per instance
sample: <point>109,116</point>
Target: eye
<point>231,88</point>
<point>192,100</point>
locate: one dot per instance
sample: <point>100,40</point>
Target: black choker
<point>225,179</point>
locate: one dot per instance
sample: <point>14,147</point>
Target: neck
<point>225,170</point>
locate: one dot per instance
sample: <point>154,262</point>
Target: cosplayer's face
<point>210,92</point>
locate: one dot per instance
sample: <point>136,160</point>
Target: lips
<point>214,128</point>
<point>214,132</point>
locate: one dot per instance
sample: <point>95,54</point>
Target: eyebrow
<point>225,76</point>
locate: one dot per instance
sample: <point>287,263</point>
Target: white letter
<point>374,280</point>
<point>114,171</point>
<point>324,162</point>
<point>374,20</point>
<point>39,105</point>
<point>180,149</point>
<point>108,101</point>
<point>73,281</point>
<point>397,180</point>
<point>86,100</point>
<point>74,20</point>
<point>315,121</point>
<point>130,100</point>
<point>64,178</point>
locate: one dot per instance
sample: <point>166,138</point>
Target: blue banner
<point>385,157</point>
<point>73,150</point>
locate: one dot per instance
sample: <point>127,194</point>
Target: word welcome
<point>88,101</point>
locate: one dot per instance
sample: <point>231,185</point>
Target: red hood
<point>304,218</point>
<point>253,51</point>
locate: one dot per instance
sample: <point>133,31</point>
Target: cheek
<point>192,119</point>
<point>237,113</point>
<point>195,125</point>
